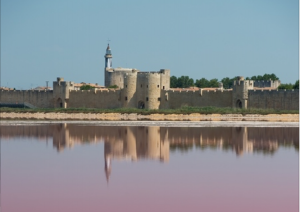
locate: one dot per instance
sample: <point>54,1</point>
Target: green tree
<point>202,83</point>
<point>296,85</point>
<point>113,86</point>
<point>185,82</point>
<point>227,82</point>
<point>265,77</point>
<point>173,82</point>
<point>288,86</point>
<point>86,87</point>
<point>213,83</point>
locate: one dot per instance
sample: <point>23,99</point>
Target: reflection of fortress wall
<point>278,134</point>
<point>200,136</point>
<point>141,142</point>
<point>29,131</point>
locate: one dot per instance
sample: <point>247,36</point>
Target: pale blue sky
<point>42,40</point>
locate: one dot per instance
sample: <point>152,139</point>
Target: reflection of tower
<point>240,140</point>
<point>153,142</point>
<point>61,137</point>
<point>158,148</point>
<point>130,144</point>
<point>134,143</point>
<point>107,159</point>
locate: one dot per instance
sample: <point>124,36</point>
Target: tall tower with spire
<point>108,58</point>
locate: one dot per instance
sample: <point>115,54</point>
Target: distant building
<point>40,88</point>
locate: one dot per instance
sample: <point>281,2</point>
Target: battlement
<point>198,90</point>
<point>267,83</point>
<point>243,82</point>
<point>27,91</point>
<point>149,73</point>
<point>164,71</point>
<point>95,91</point>
<point>274,91</point>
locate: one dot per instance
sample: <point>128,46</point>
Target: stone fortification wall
<point>175,99</point>
<point>41,99</point>
<point>266,83</point>
<point>115,77</point>
<point>129,95</point>
<point>143,89</point>
<point>240,92</point>
<point>152,94</point>
<point>95,99</point>
<point>165,79</point>
<point>276,99</point>
<point>61,90</point>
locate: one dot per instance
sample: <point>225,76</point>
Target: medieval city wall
<point>95,99</point>
<point>128,94</point>
<point>274,99</point>
<point>266,83</point>
<point>165,79</point>
<point>41,99</point>
<point>115,77</point>
<point>175,99</point>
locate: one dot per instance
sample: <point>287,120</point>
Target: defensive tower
<point>108,57</point>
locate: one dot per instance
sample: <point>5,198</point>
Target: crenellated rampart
<point>196,98</point>
<point>42,99</point>
<point>109,98</point>
<point>275,99</point>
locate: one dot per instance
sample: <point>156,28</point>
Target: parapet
<point>59,79</point>
<point>273,91</point>
<point>164,71</point>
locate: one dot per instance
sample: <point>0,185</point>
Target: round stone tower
<point>129,90</point>
<point>152,81</point>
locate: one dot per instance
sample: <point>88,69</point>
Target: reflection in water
<point>198,178</point>
<point>135,143</point>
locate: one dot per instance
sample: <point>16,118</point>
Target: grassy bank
<point>183,110</point>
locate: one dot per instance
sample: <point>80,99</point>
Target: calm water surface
<point>72,167</point>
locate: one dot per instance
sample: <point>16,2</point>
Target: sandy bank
<point>152,117</point>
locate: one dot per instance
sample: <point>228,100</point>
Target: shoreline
<point>39,116</point>
<point>157,123</point>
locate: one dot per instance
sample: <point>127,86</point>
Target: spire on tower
<point>108,57</point>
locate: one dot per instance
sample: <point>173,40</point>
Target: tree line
<point>289,86</point>
<point>186,82</point>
